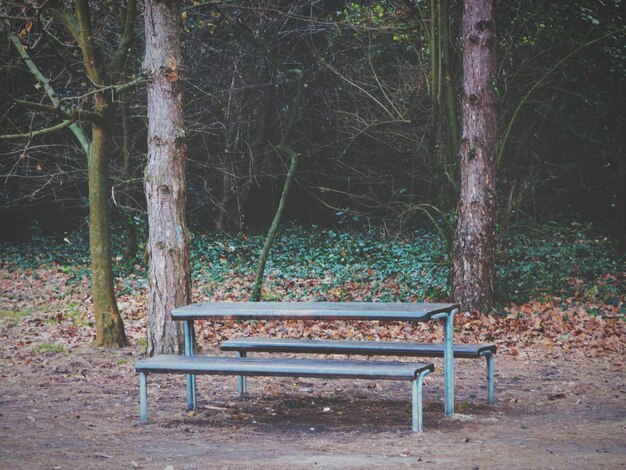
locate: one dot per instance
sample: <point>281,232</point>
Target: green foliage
<point>334,258</point>
<point>383,18</point>
<point>550,259</point>
<point>16,314</point>
<point>14,317</point>
<point>76,315</point>
<point>49,347</point>
<point>561,260</point>
<point>142,343</point>
<point>533,261</point>
<point>69,251</point>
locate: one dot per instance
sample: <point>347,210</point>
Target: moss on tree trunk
<point>109,324</point>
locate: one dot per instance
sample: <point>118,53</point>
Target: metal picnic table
<point>363,311</point>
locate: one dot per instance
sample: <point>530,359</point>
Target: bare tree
<point>103,73</point>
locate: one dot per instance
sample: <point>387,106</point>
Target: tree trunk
<point>285,148</point>
<point>475,237</point>
<point>621,194</point>
<point>435,89</point>
<point>169,273</point>
<point>453,128</point>
<point>129,226</point>
<point>109,324</point>
<point>257,289</point>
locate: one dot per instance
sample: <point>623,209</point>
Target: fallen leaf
<point>556,396</point>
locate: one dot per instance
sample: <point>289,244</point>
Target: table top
<point>393,311</point>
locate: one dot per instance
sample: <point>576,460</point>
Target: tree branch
<point>73,114</point>
<point>69,21</point>
<point>509,126</point>
<point>31,134</point>
<point>91,59</point>
<point>74,127</point>
<point>126,42</point>
<point>79,27</point>
<point>124,87</point>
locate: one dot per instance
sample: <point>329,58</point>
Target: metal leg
<point>191,378</point>
<point>143,398</point>
<point>448,360</point>
<point>242,386</point>
<point>490,379</point>
<point>417,385</point>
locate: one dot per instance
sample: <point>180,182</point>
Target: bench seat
<point>382,348</point>
<point>282,367</point>
<point>375,348</point>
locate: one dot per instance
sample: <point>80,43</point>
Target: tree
<point>104,87</point>
<point>169,273</point>
<point>475,235</point>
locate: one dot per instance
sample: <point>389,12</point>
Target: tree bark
<point>169,273</point>
<point>475,237</point>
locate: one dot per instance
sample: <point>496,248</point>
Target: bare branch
<point>47,130</point>
<point>74,127</point>
<point>128,38</point>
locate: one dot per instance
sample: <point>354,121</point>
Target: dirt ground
<point>61,411</point>
<point>65,405</point>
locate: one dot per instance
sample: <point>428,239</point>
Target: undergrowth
<point>534,261</point>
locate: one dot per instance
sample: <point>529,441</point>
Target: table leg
<point>490,380</point>
<point>191,378</point>
<point>448,359</point>
<point>242,386</point>
<point>143,398</point>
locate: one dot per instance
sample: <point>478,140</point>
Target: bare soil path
<point>81,411</point>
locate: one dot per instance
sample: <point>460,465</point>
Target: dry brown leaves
<point>41,307</point>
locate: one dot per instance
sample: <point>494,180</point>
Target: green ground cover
<point>533,261</point>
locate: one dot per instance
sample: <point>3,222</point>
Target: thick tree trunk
<point>169,274</point>
<point>109,324</point>
<point>475,236</point>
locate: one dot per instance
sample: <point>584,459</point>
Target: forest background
<point>374,118</point>
<point>365,97</point>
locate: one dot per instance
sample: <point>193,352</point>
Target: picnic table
<point>322,311</point>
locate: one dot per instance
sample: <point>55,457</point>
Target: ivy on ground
<point>553,259</point>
